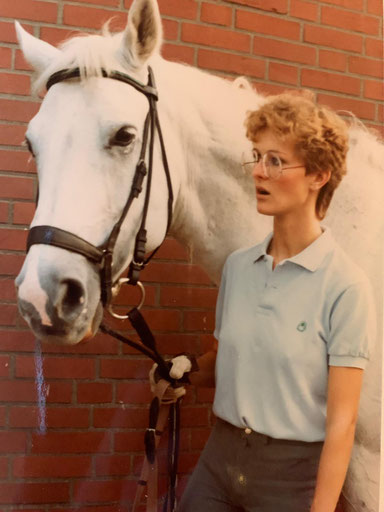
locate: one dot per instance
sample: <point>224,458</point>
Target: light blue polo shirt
<point>278,330</point>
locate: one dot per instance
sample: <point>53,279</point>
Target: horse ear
<point>143,33</point>
<point>38,54</point>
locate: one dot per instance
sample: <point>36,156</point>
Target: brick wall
<point>96,403</point>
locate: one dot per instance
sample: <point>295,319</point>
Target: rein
<point>103,257</point>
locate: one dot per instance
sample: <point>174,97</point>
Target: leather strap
<point>50,235</point>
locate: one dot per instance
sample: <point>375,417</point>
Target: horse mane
<point>91,53</point>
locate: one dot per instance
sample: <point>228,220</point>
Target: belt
<point>248,433</point>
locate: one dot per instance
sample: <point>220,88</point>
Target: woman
<point>294,323</point>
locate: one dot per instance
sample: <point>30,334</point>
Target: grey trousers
<point>250,472</point>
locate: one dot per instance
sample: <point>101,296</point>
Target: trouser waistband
<point>246,432</point>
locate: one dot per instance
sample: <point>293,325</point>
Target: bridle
<point>103,255</point>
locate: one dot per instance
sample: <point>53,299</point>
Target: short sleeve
<point>220,301</point>
<point>352,327</point>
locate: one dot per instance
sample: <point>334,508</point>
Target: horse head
<point>87,139</point>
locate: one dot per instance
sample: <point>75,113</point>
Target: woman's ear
<point>319,179</point>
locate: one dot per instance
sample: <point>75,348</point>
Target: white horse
<point>86,139</point>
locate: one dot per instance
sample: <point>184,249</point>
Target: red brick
<point>194,416</point>
<point>332,60</point>
<point>330,81</point>
<point>231,63</point>
<point>333,38</point>
<point>20,161</point>
<point>120,417</point>
<point>174,273</point>
<point>4,365</point>
<point>162,320</point>
<point>5,57</point>
<point>187,462</point>
<point>52,467</point>
<point>356,22</point>
<point>362,66</point>
<point>57,367</point>
<point>199,320</point>
<point>13,442</point>
<point>15,110</point>
<point>374,47</point>
<point>171,249</point>
<point>10,264</point>
<point>7,290</point>
<point>188,297</point>
<point>113,465</point>
<point>170,29</point>
<point>279,6</point>
<point>179,8</point>
<point>16,340</point>
<point>375,7</point>
<point>125,369</point>
<point>131,296</point>
<point>12,135</point>
<point>23,213</point>
<point>362,109</point>
<point>304,10</point>
<point>380,112</point>
<point>72,442</point>
<point>374,89</point>
<point>171,344</point>
<point>219,14</point>
<point>94,392</point>
<point>356,5</point>
<point>55,36</point>
<point>56,417</point>
<point>8,314</point>
<point>30,10</point>
<point>284,50</point>
<point>129,441</point>
<point>4,212</point>
<point>25,391</point>
<point>89,17</point>
<point>20,62</point>
<point>262,24</point>
<point>107,3</point>
<point>8,33</point>
<point>205,395</point>
<point>3,467</point>
<point>16,188</point>
<point>29,493</point>
<point>283,73</point>
<point>217,37</point>
<point>105,491</point>
<point>101,344</point>
<point>177,53</point>
<point>199,437</point>
<point>133,392</point>
<point>11,83</point>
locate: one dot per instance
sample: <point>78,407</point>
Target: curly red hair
<point>319,136</point>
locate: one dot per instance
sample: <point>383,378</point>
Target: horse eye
<point>122,137</point>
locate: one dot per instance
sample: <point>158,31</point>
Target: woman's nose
<point>258,170</point>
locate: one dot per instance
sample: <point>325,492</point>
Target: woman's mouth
<point>262,191</point>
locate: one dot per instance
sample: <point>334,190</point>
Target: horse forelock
<point>91,53</point>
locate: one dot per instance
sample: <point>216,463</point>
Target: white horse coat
<point>85,177</point>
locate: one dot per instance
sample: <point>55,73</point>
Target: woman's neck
<point>290,237</point>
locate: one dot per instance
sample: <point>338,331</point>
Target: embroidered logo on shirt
<point>301,326</point>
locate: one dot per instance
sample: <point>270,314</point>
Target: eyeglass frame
<point>264,166</point>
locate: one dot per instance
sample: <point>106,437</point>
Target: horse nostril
<point>72,298</point>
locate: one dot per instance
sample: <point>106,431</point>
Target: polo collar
<point>310,258</point>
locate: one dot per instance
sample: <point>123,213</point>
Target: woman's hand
<point>180,365</point>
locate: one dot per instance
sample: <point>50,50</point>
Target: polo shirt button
<point>248,430</point>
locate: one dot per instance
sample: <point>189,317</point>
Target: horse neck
<point>215,210</point>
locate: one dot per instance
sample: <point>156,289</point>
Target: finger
<point>180,365</point>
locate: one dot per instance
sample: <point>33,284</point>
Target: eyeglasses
<point>271,163</point>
